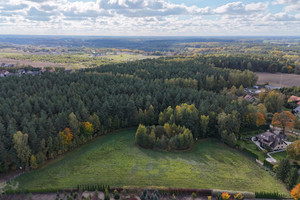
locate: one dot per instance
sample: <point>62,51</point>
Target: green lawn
<point>279,156</point>
<point>115,160</point>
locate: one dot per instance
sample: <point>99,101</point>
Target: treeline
<point>257,63</point>
<point>54,113</point>
<point>184,72</point>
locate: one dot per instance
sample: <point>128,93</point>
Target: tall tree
<point>74,125</point>
<point>274,101</point>
<point>292,178</point>
<point>284,120</point>
<point>204,121</point>
<point>283,169</point>
<point>20,141</point>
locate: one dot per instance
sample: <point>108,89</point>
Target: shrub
<point>225,196</point>
<point>238,196</point>
<point>173,197</point>
<point>248,195</point>
<point>155,195</point>
<point>145,195</point>
<point>268,165</point>
<point>106,194</point>
<point>116,194</point>
<point>269,195</point>
<point>295,192</point>
<point>194,195</point>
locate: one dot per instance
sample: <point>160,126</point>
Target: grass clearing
<point>115,160</point>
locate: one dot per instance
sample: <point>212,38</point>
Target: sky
<point>150,17</point>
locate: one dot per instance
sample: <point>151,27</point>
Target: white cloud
<point>239,8</point>
<point>286,2</point>
<point>144,17</point>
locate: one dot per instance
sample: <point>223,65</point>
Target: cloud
<point>37,15</point>
<point>292,8</point>
<point>239,8</point>
<point>286,2</point>
<point>146,17</point>
<point>280,17</point>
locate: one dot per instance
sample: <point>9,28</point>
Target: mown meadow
<point>115,160</point>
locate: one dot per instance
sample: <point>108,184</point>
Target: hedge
<point>269,195</point>
<point>248,153</point>
<point>268,165</point>
<point>247,195</point>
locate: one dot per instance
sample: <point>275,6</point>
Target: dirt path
<point>10,175</point>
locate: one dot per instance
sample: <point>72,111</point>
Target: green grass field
<point>115,160</point>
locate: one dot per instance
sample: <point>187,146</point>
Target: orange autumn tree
<point>260,119</point>
<point>66,136</point>
<point>87,128</point>
<point>295,192</point>
<point>283,120</point>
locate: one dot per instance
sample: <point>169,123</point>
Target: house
<point>249,98</point>
<point>29,72</point>
<point>4,73</point>
<point>269,87</point>
<point>21,71</point>
<point>293,99</point>
<point>271,140</point>
<point>297,111</point>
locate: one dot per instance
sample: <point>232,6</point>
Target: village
<point>275,139</point>
<point>12,70</point>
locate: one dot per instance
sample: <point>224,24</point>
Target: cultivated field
<point>279,79</point>
<point>115,160</point>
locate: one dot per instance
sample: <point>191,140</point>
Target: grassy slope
<point>116,161</point>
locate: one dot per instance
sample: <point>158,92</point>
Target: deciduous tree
<point>20,141</point>
<point>284,120</point>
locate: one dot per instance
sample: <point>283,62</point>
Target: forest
<point>44,116</point>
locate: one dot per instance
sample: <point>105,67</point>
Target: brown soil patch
<point>279,79</point>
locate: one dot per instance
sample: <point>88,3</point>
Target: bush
<point>268,165</point>
<point>238,196</point>
<point>269,195</point>
<point>145,195</point>
<point>116,194</point>
<point>106,194</point>
<point>248,195</point>
<point>225,196</point>
<point>194,195</point>
<point>173,197</point>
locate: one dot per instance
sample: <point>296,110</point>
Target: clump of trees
<point>286,173</point>
<point>167,137</point>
